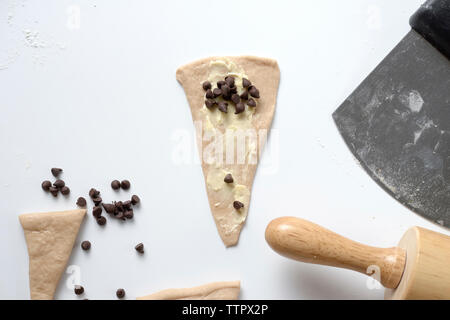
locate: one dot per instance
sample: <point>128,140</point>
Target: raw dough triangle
<point>211,291</point>
<point>265,75</point>
<point>50,238</point>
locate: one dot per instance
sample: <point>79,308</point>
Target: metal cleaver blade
<point>397,122</point>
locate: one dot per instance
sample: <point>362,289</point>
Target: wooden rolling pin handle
<point>307,242</point>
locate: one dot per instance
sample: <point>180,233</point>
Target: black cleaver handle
<point>432,21</point>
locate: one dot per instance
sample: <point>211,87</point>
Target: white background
<point>98,97</point>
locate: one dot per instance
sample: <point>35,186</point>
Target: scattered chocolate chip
<point>217,92</point>
<point>206,85</point>
<point>235,98</point>
<point>78,290</point>
<point>59,183</point>
<point>97,201</point>
<point>244,95</point>
<point>101,220</point>
<point>85,245</point>
<point>225,90</point>
<point>120,215</point>
<point>253,92</point>
<point>135,200</point>
<point>119,205</point>
<point>129,214</point>
<point>223,106</point>
<point>109,207</point>
<point>115,184</point>
<point>127,204</point>
<point>93,193</point>
<point>97,211</point>
<point>240,107</point>
<point>230,81</point>
<point>125,184</point>
<point>228,178</point>
<point>220,84</point>
<point>120,293</point>
<point>56,172</point>
<point>46,185</point>
<point>251,102</point>
<point>81,202</point>
<point>209,103</point>
<point>139,247</point>
<point>209,94</point>
<point>238,205</point>
<point>65,190</point>
<point>54,191</point>
<point>246,83</point>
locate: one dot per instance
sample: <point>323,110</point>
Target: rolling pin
<point>418,268</point>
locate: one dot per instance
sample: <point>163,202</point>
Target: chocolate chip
<point>65,190</point>
<point>246,83</point>
<point>253,92</point>
<point>238,205</point>
<point>209,94</point>
<point>244,95</point>
<point>220,84</point>
<point>101,220</point>
<point>135,200</point>
<point>230,81</point>
<point>119,205</point>
<point>115,184</point>
<point>93,193</point>
<point>54,191</point>
<point>125,184</point>
<point>206,85</point>
<point>129,214</point>
<point>228,178</point>
<point>217,92</point>
<point>81,202</point>
<point>120,293</point>
<point>233,89</point>
<point>139,247</point>
<point>109,207</point>
<point>85,245</point>
<point>127,204</point>
<point>120,215</point>
<point>97,211</point>
<point>240,107</point>
<point>46,185</point>
<point>223,106</point>
<point>225,90</point>
<point>209,103</point>
<point>97,201</point>
<point>78,290</point>
<point>235,98</point>
<point>251,102</point>
<point>59,183</point>
<point>56,172</point>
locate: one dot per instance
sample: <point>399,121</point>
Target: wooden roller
<point>418,268</point>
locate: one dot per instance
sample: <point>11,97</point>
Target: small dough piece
<point>211,291</point>
<point>50,237</point>
<point>250,126</point>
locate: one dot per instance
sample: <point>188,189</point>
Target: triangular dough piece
<point>255,122</point>
<point>211,291</point>
<point>50,238</point>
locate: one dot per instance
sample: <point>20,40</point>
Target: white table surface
<point>90,86</point>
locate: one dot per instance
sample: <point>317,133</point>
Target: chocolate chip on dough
<point>235,98</point>
<point>115,184</point>
<point>139,247</point>
<point>223,106</point>
<point>226,93</point>
<point>54,191</point>
<point>230,81</point>
<point>78,290</point>
<point>246,83</point>
<point>85,245</point>
<point>240,107</point>
<point>65,190</point>
<point>244,95</point>
<point>209,103</point>
<point>233,89</point>
<point>101,220</point>
<point>228,178</point>
<point>251,102</point>
<point>81,202</point>
<point>135,200</point>
<point>125,184</point>
<point>56,172</point>
<point>59,183</point>
<point>46,185</point>
<point>220,84</point>
<point>120,293</point>
<point>238,205</point>
<point>206,85</point>
<point>217,92</point>
<point>209,94</point>
<point>253,92</point>
<point>97,211</point>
